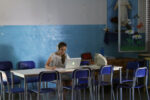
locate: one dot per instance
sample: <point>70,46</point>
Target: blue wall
<point>38,42</point>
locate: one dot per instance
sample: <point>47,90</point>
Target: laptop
<point>73,63</point>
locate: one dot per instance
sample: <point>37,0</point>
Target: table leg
<point>61,89</point>
<point>120,83</point>
<point>25,89</point>
<point>12,83</point>
<point>148,62</point>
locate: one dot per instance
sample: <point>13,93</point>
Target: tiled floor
<point>107,95</point>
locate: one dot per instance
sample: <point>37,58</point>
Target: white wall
<point>41,12</point>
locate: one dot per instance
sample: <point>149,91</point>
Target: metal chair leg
<point>72,95</point>
<point>98,94</point>
<point>30,96</point>
<point>91,95</point>
<point>147,93</point>
<point>75,95</point>
<point>3,91</point>
<point>113,95</point>
<point>103,92</point>
<point>84,94</point>
<point>132,93</point>
<point>139,93</point>
<point>38,96</point>
<point>129,94</point>
<point>9,96</point>
<point>117,93</point>
<point>80,95</point>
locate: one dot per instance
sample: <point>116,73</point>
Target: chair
<point>7,66</point>
<point>139,73</point>
<point>47,76</point>
<point>130,70</point>
<point>81,80</point>
<point>28,65</point>
<point>131,66</point>
<point>104,71</point>
<point>8,89</point>
<point>84,63</point>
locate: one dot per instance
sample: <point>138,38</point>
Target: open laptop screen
<point>73,63</point>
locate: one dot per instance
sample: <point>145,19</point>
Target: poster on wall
<point>131,25</point>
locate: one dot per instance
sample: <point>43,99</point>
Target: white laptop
<point>73,63</point>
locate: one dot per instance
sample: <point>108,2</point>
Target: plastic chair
<point>47,76</point>
<point>130,70</point>
<point>81,80</point>
<point>131,66</point>
<point>139,73</point>
<point>7,66</point>
<point>105,70</point>
<point>28,65</point>
<point>84,63</point>
<point>8,89</point>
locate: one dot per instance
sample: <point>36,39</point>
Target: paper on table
<point>63,69</point>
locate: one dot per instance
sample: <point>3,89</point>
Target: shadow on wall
<point>41,63</point>
<point>7,54</point>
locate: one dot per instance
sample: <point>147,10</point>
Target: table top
<point>144,55</point>
<point>34,72</point>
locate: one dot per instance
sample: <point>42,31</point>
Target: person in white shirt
<point>57,60</point>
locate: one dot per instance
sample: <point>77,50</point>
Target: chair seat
<point>83,81</point>
<point>16,90</point>
<point>126,80</point>
<point>117,80</point>
<point>32,79</point>
<point>15,81</point>
<point>76,87</point>
<point>130,86</point>
<point>44,90</point>
<point>103,83</point>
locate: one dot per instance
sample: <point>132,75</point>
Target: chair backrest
<point>131,66</point>
<point>107,69</point>
<point>5,65</point>
<point>84,63</point>
<point>26,65</point>
<point>1,80</point>
<point>104,71</point>
<point>141,72</point>
<point>81,74</point>
<point>4,78</point>
<point>48,76</point>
